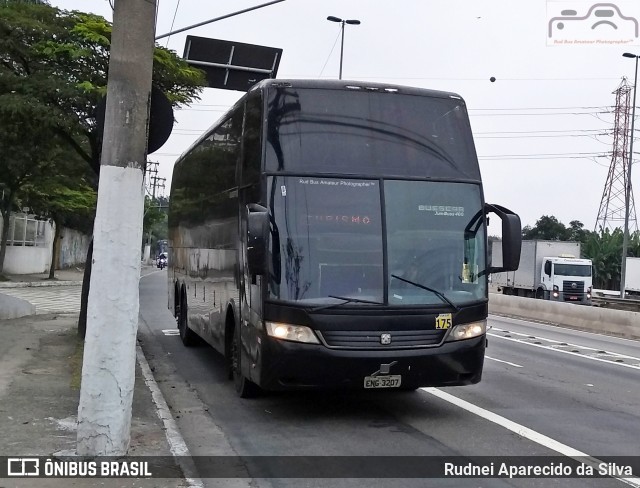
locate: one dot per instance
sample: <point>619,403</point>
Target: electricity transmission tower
<point>613,203</point>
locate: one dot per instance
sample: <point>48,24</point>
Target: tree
<point>28,149</point>
<point>62,200</point>
<point>547,228</point>
<point>577,232</point>
<point>65,55</point>
<point>60,59</point>
<point>605,252</point>
<point>155,220</point>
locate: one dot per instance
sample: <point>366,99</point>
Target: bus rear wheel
<point>245,388</point>
<point>189,338</point>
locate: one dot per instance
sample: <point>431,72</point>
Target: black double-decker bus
<point>333,234</point>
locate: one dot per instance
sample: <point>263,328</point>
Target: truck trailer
<point>549,270</point>
<point>632,277</point>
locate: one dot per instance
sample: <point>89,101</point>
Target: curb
<point>27,284</point>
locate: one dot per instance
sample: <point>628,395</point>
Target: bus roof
<point>353,85</point>
<point>327,85</point>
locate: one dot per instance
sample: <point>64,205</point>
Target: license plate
<point>389,381</point>
<point>573,298</point>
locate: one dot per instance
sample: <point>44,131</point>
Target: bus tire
<point>189,338</point>
<point>245,388</point>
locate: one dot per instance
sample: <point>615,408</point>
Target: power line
<point>330,53</point>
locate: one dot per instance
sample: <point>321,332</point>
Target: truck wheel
<point>540,294</point>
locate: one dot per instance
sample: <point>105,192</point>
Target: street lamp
<point>627,191</point>
<point>342,22</point>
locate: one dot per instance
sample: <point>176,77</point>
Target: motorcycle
<point>162,263</point>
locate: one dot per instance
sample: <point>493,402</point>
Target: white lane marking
<point>525,432</point>
<point>171,332</point>
<point>529,323</point>
<point>505,362</point>
<point>177,445</point>
<point>568,344</point>
<point>550,348</point>
<point>151,273</point>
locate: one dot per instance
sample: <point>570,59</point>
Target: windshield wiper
<point>346,300</point>
<point>437,293</point>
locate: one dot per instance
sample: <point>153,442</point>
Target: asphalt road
<point>546,391</point>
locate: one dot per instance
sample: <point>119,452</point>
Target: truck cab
<point>566,278</point>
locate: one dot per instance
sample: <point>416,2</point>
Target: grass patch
<point>4,278</point>
<point>76,364</point>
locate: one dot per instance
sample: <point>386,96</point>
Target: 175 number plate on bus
<point>389,381</point>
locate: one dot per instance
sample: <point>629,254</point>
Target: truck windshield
<point>328,239</point>
<point>572,269</point>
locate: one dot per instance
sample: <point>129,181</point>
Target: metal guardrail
<point>607,301</point>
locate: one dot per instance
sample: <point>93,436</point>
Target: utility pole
<point>155,182</point>
<point>108,370</point>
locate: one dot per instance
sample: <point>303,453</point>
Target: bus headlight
<point>289,332</point>
<point>467,331</point>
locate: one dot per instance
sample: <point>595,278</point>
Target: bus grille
<point>373,339</point>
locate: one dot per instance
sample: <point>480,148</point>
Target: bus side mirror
<point>511,238</point>
<point>257,232</point>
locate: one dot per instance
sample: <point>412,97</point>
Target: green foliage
<point>605,251</point>
<point>155,220</point>
<point>549,228</point>
<point>60,59</point>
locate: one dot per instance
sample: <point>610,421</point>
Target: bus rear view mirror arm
<point>511,238</point>
<point>257,231</point>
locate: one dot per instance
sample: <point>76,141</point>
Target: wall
<point>73,248</point>
<point>21,260</point>
<point>30,259</point>
<point>593,319</point>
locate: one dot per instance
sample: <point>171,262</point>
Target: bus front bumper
<point>294,366</point>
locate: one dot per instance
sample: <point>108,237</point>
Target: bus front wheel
<point>244,387</point>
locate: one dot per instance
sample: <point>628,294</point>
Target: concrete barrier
<point>13,308</point>
<point>592,319</point>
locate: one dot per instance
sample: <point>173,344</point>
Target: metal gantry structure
<point>613,203</point>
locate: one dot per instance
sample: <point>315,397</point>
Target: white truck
<point>632,276</point>
<point>549,270</point>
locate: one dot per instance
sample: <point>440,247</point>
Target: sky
<point>543,129</point>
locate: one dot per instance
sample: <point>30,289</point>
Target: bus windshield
<point>329,238</point>
<point>361,132</point>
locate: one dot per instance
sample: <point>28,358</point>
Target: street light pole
<point>627,191</point>
<point>342,22</point>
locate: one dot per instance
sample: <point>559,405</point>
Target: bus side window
<point>252,154</point>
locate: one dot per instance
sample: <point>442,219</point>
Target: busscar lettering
<point>443,210</point>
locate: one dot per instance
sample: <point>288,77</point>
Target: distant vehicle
<point>333,234</point>
<point>161,262</point>
<point>632,276</point>
<point>548,270</point>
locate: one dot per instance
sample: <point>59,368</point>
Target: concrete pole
<point>108,369</point>
<point>627,191</point>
